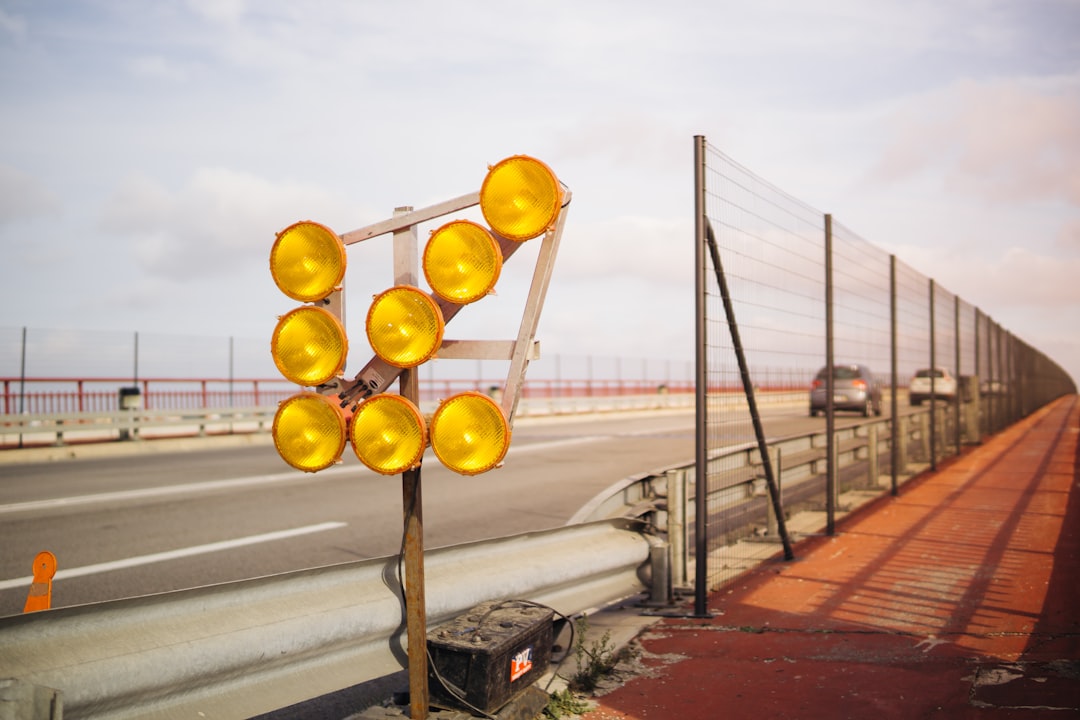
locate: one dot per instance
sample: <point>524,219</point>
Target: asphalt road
<point>146,523</point>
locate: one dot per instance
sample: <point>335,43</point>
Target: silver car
<point>854,388</point>
<point>937,383</point>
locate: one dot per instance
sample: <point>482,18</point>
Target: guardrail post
<point>971,412</point>
<point>902,435</point>
<point>659,564</point>
<point>872,469</point>
<point>833,488</point>
<point>676,484</point>
<point>59,441</point>
<point>25,700</point>
<point>772,525</point>
<point>924,436</point>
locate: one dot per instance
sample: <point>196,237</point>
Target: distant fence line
<point>106,395</point>
<point>77,370</point>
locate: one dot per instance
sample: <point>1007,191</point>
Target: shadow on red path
<point>960,598</point>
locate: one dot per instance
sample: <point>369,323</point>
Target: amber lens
<point>309,432</point>
<point>307,261</point>
<point>462,262</point>
<point>404,326</point>
<point>469,433</point>
<point>388,434</point>
<point>309,346</point>
<point>520,197</point>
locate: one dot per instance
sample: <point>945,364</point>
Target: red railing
<point>55,395</point>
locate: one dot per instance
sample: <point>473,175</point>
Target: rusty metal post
<point>415,607</point>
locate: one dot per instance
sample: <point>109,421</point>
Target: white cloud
<point>218,219</point>
<point>1011,140</point>
<point>23,196</point>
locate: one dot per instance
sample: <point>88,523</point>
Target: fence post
<point>933,365</point>
<point>831,493</point>
<point>894,410</point>
<point>957,396</point>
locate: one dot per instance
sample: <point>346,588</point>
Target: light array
<point>469,433</point>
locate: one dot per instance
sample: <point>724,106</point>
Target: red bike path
<point>958,598</point>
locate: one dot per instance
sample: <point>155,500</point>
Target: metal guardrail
<point>254,646</point>
<point>244,648</point>
<point>58,429</point>
<point>662,497</point>
<point>61,428</point>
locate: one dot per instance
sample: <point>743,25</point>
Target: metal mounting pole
<point>406,272</point>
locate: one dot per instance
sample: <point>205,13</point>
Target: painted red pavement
<point>960,598</point>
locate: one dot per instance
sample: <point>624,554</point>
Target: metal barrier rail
<point>661,496</point>
<point>60,428</point>
<point>244,648</point>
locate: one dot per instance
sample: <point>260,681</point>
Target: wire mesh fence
<point>784,290</point>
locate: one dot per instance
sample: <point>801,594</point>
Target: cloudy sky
<point>149,151</point>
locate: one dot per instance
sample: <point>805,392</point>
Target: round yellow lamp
<point>520,197</point>
<point>470,433</point>
<point>307,261</point>
<point>309,432</point>
<point>388,434</point>
<point>309,346</point>
<point>462,262</point>
<point>404,326</point>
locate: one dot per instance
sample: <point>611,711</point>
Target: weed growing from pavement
<point>564,703</point>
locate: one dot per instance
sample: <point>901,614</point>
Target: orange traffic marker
<point>40,597</point>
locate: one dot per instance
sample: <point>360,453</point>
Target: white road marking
<point>174,554</point>
<point>122,495</point>
<point>232,483</point>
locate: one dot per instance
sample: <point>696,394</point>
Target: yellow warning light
<point>520,197</point>
<point>388,434</point>
<point>307,261</point>
<point>309,432</point>
<point>470,433</point>
<point>462,262</point>
<point>309,346</point>
<point>404,326</point>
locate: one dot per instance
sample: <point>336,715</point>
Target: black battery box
<point>489,654</point>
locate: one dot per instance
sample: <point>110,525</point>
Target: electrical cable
<point>456,692</point>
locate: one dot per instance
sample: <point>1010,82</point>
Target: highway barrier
<point>244,648</point>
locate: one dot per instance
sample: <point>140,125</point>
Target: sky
<point>149,152</point>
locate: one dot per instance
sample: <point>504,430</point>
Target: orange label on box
<point>521,663</point>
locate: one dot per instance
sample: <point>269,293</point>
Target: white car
<point>944,385</point>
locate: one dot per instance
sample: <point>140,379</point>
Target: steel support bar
<point>245,648</point>
<point>748,389</point>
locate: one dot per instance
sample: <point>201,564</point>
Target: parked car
<point>854,388</point>
<point>944,385</point>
